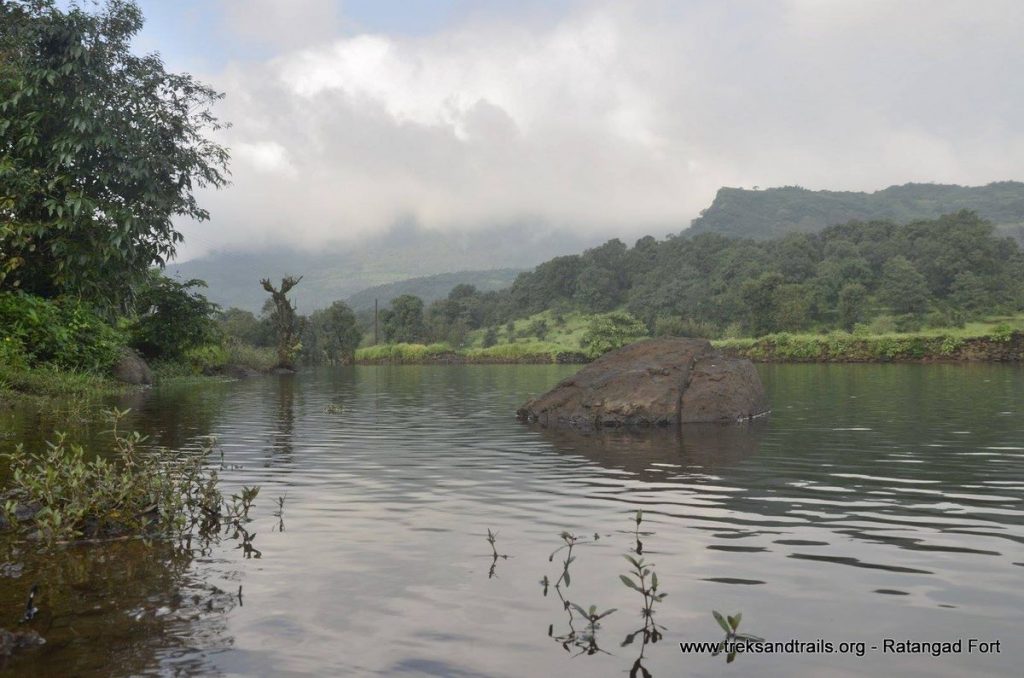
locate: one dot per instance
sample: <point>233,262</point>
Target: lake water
<point>877,501</point>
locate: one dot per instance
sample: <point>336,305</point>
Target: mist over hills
<point>408,260</point>
<point>337,272</point>
<point>769,213</point>
<point>432,287</point>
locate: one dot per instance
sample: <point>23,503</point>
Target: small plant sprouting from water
<point>279,513</point>
<point>240,504</point>
<point>638,519</point>
<point>639,544</point>
<point>571,541</point>
<point>237,515</point>
<point>586,640</point>
<point>492,539</point>
<point>731,624</point>
<point>643,579</point>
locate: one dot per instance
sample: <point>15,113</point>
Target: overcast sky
<point>619,118</point>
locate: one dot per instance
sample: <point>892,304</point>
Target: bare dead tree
<point>286,322</point>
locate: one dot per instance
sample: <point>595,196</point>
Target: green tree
<point>969,292</point>
<point>792,304</point>
<point>490,337</point>
<point>243,326</point>
<point>100,149</point>
<point>852,305</point>
<point>902,287</point>
<point>602,282</point>
<point>759,297</point>
<point>173,317</point>
<point>331,335</point>
<point>403,322</point>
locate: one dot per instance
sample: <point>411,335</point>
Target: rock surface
<point>657,382</point>
<point>132,369</point>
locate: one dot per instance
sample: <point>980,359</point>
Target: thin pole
<point>374,322</point>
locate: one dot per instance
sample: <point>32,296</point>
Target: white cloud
<point>284,23</point>
<point>265,156</point>
<point>619,118</point>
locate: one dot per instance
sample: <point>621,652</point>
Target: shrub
<point>674,326</point>
<point>733,330</point>
<point>1002,332</point>
<point>133,492</point>
<point>610,331</point>
<point>174,318</point>
<point>883,324</point>
<point>490,337</point>
<point>947,317</point>
<point>909,323</point>
<point>538,328</point>
<point>64,332</point>
<point>12,353</point>
<point>951,345</point>
<point>259,358</point>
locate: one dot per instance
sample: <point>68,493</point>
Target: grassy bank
<point>524,352</point>
<point>215,360</point>
<point>994,340</point>
<point>47,381</point>
<point>19,381</point>
<point>954,345</point>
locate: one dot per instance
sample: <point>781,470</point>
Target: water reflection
<point>282,432</point>
<point>651,452</point>
<point>875,499</point>
<point>117,609</point>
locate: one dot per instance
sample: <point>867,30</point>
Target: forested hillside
<point>777,211</point>
<point>939,272</point>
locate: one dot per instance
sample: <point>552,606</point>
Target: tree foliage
<point>64,333</point>
<point>403,322</point>
<point>844,275</point>
<point>173,318</point>
<point>331,336</point>
<point>99,150</point>
<point>611,331</point>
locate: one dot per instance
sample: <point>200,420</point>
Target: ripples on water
<point>876,501</point>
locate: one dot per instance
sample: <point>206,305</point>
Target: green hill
<point>432,287</point>
<point>766,214</point>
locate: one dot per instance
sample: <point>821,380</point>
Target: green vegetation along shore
<point>571,338</point>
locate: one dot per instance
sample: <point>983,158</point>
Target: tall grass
<point>399,353</point>
<point>46,380</point>
<point>996,342</point>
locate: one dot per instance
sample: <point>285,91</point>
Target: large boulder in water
<point>132,369</point>
<point>657,382</point>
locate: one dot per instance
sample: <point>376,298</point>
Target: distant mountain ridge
<point>769,213</point>
<point>433,287</point>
